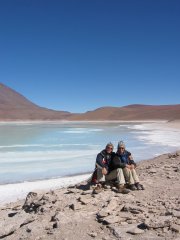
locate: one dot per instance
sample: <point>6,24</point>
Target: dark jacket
<point>121,160</point>
<point>104,159</point>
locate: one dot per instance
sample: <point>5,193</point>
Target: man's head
<point>121,147</point>
<point>109,147</point>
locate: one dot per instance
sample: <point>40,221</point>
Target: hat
<point>121,144</point>
<point>109,145</point>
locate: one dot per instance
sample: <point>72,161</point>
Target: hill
<point>132,112</point>
<point>14,106</point>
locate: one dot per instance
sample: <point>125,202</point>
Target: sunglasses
<point>121,148</point>
<point>110,148</point>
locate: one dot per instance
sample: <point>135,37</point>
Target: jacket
<point>121,160</point>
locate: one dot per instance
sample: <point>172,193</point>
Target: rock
<point>111,205</point>
<point>87,192</point>
<point>102,213</point>
<point>93,234</point>
<point>135,231</point>
<point>12,214</point>
<point>32,203</point>
<point>72,206</point>
<point>153,170</point>
<point>27,221</point>
<point>159,222</point>
<point>84,200</point>
<point>176,214</point>
<point>55,218</point>
<point>28,230</point>
<point>132,208</point>
<point>178,221</point>
<point>7,230</point>
<point>112,219</point>
<point>175,228</point>
<point>55,225</point>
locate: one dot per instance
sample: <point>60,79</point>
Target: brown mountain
<point>132,112</point>
<point>14,106</point>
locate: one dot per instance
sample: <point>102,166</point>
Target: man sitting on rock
<point>103,171</point>
<point>123,160</point>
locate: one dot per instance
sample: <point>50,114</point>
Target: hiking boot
<point>121,189</point>
<point>139,186</point>
<point>132,187</point>
<point>97,189</point>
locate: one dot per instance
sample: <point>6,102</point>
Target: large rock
<point>32,203</point>
<point>159,222</point>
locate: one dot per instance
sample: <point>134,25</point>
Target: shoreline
<point>68,179</point>
<point>18,191</point>
<point>76,213</point>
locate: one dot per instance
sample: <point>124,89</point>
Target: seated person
<point>123,159</point>
<point>103,172</point>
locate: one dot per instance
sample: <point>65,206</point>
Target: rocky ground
<point>76,213</point>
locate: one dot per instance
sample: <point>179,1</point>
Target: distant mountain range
<point>14,106</point>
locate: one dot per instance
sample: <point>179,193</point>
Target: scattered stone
<point>55,225</point>
<point>72,206</point>
<point>28,230</point>
<point>93,234</point>
<point>102,213</point>
<point>159,222</point>
<point>112,219</point>
<point>152,171</point>
<point>135,231</point>
<point>28,220</point>
<point>176,214</point>
<point>6,231</point>
<point>84,200</point>
<point>12,214</point>
<point>175,228</point>
<point>32,203</point>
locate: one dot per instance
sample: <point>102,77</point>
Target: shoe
<point>97,189</point>
<point>139,186</point>
<point>132,187</point>
<point>121,189</point>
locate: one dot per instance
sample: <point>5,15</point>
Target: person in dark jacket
<point>103,171</point>
<point>124,160</point>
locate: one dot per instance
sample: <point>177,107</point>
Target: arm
<point>116,163</point>
<point>131,161</point>
<point>99,160</point>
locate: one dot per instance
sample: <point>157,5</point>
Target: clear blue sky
<point>78,55</point>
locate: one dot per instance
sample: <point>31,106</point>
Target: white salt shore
<point>13,192</point>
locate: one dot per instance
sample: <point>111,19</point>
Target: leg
<point>100,176</point>
<point>128,176</point>
<point>134,175</point>
<point>116,174</point>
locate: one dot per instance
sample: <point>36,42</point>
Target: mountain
<point>14,106</point>
<point>132,112</point>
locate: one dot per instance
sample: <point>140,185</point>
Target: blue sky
<point>79,55</point>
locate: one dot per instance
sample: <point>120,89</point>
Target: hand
<point>132,166</point>
<point>104,171</point>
